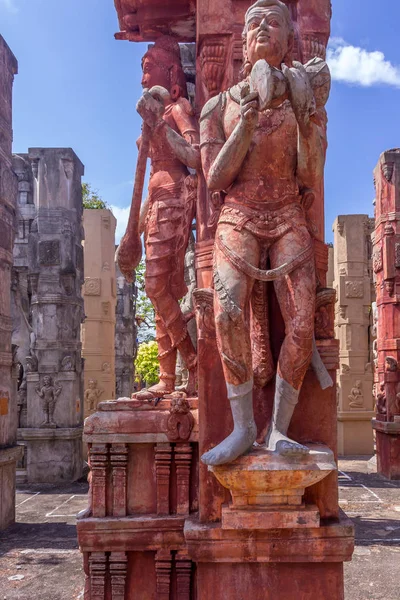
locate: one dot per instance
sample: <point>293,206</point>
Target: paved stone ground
<point>39,556</point>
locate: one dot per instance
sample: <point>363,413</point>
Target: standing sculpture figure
<point>169,210</point>
<point>92,394</point>
<point>265,149</point>
<point>48,393</point>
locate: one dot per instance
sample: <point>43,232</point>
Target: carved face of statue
<point>268,35</point>
<point>154,74</point>
<point>92,384</point>
<point>47,381</point>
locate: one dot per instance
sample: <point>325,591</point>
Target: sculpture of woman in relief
<point>262,146</point>
<point>169,209</point>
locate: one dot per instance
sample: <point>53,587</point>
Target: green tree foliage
<point>91,198</point>
<point>145,316</point>
<point>146,365</point>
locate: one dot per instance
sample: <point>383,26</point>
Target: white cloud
<point>355,65</point>
<point>9,5</point>
<point>122,215</point>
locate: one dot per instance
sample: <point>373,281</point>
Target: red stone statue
<point>169,210</point>
<point>263,148</point>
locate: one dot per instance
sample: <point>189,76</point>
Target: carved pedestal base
<point>8,461</point>
<point>388,448</point>
<point>267,489</point>
<point>52,455</point>
<point>274,563</point>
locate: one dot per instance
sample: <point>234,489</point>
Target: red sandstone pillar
<point>386,264</point>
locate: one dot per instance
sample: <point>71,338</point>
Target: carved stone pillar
<point>119,461</point>
<point>162,459</point>
<point>97,570</point>
<point>118,570</point>
<point>99,293</point>
<point>98,455</point>
<point>163,574</point>
<point>183,459</point>
<point>125,336</point>
<point>352,254</point>
<point>9,452</point>
<point>183,567</point>
<point>386,263</point>
<point>52,250</point>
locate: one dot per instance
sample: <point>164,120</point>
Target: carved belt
<point>270,275</point>
<point>246,204</point>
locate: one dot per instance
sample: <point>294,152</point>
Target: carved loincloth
<point>167,229</point>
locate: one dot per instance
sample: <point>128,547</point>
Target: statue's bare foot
<point>159,390</point>
<point>277,442</point>
<point>236,444</point>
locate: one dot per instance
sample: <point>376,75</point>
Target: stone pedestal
<point>53,455</point>
<point>8,385</point>
<point>352,282</point>
<point>386,263</point>
<point>99,292</point>
<point>48,309</point>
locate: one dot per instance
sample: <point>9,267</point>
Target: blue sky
<point>77,86</point>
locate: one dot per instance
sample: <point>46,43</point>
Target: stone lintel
<point>333,542</point>
<point>59,433</point>
<point>356,415</point>
<point>272,518</point>
<point>133,438</point>
<point>389,427</point>
<point>147,532</point>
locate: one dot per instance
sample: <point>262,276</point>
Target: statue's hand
<point>150,109</point>
<point>301,95</point>
<point>249,107</point>
<point>128,256</point>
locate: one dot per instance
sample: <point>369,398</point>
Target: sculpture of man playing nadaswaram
<point>169,210</point>
<point>48,393</point>
<point>263,147</point>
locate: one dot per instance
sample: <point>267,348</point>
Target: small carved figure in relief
<point>390,364</point>
<point>356,396</point>
<point>48,392</point>
<point>380,396</point>
<point>167,214</point>
<point>263,146</point>
<point>92,394</point>
<point>180,422</point>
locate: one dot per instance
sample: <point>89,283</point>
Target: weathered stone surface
<point>8,372</point>
<point>159,545</point>
<point>48,311</point>
<point>170,138</point>
<point>354,297</point>
<point>98,329</point>
<point>387,281</point>
<point>125,336</point>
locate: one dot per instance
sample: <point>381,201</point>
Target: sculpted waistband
<point>261,275</point>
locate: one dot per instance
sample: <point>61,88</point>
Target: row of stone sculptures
<point>261,150</point>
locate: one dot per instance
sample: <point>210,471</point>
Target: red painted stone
<point>159,535</point>
<point>386,265</point>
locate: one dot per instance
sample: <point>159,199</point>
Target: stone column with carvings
<point>53,253</point>
<point>9,452</point>
<point>99,292</point>
<point>352,281</point>
<point>386,262</point>
<point>125,336</point>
